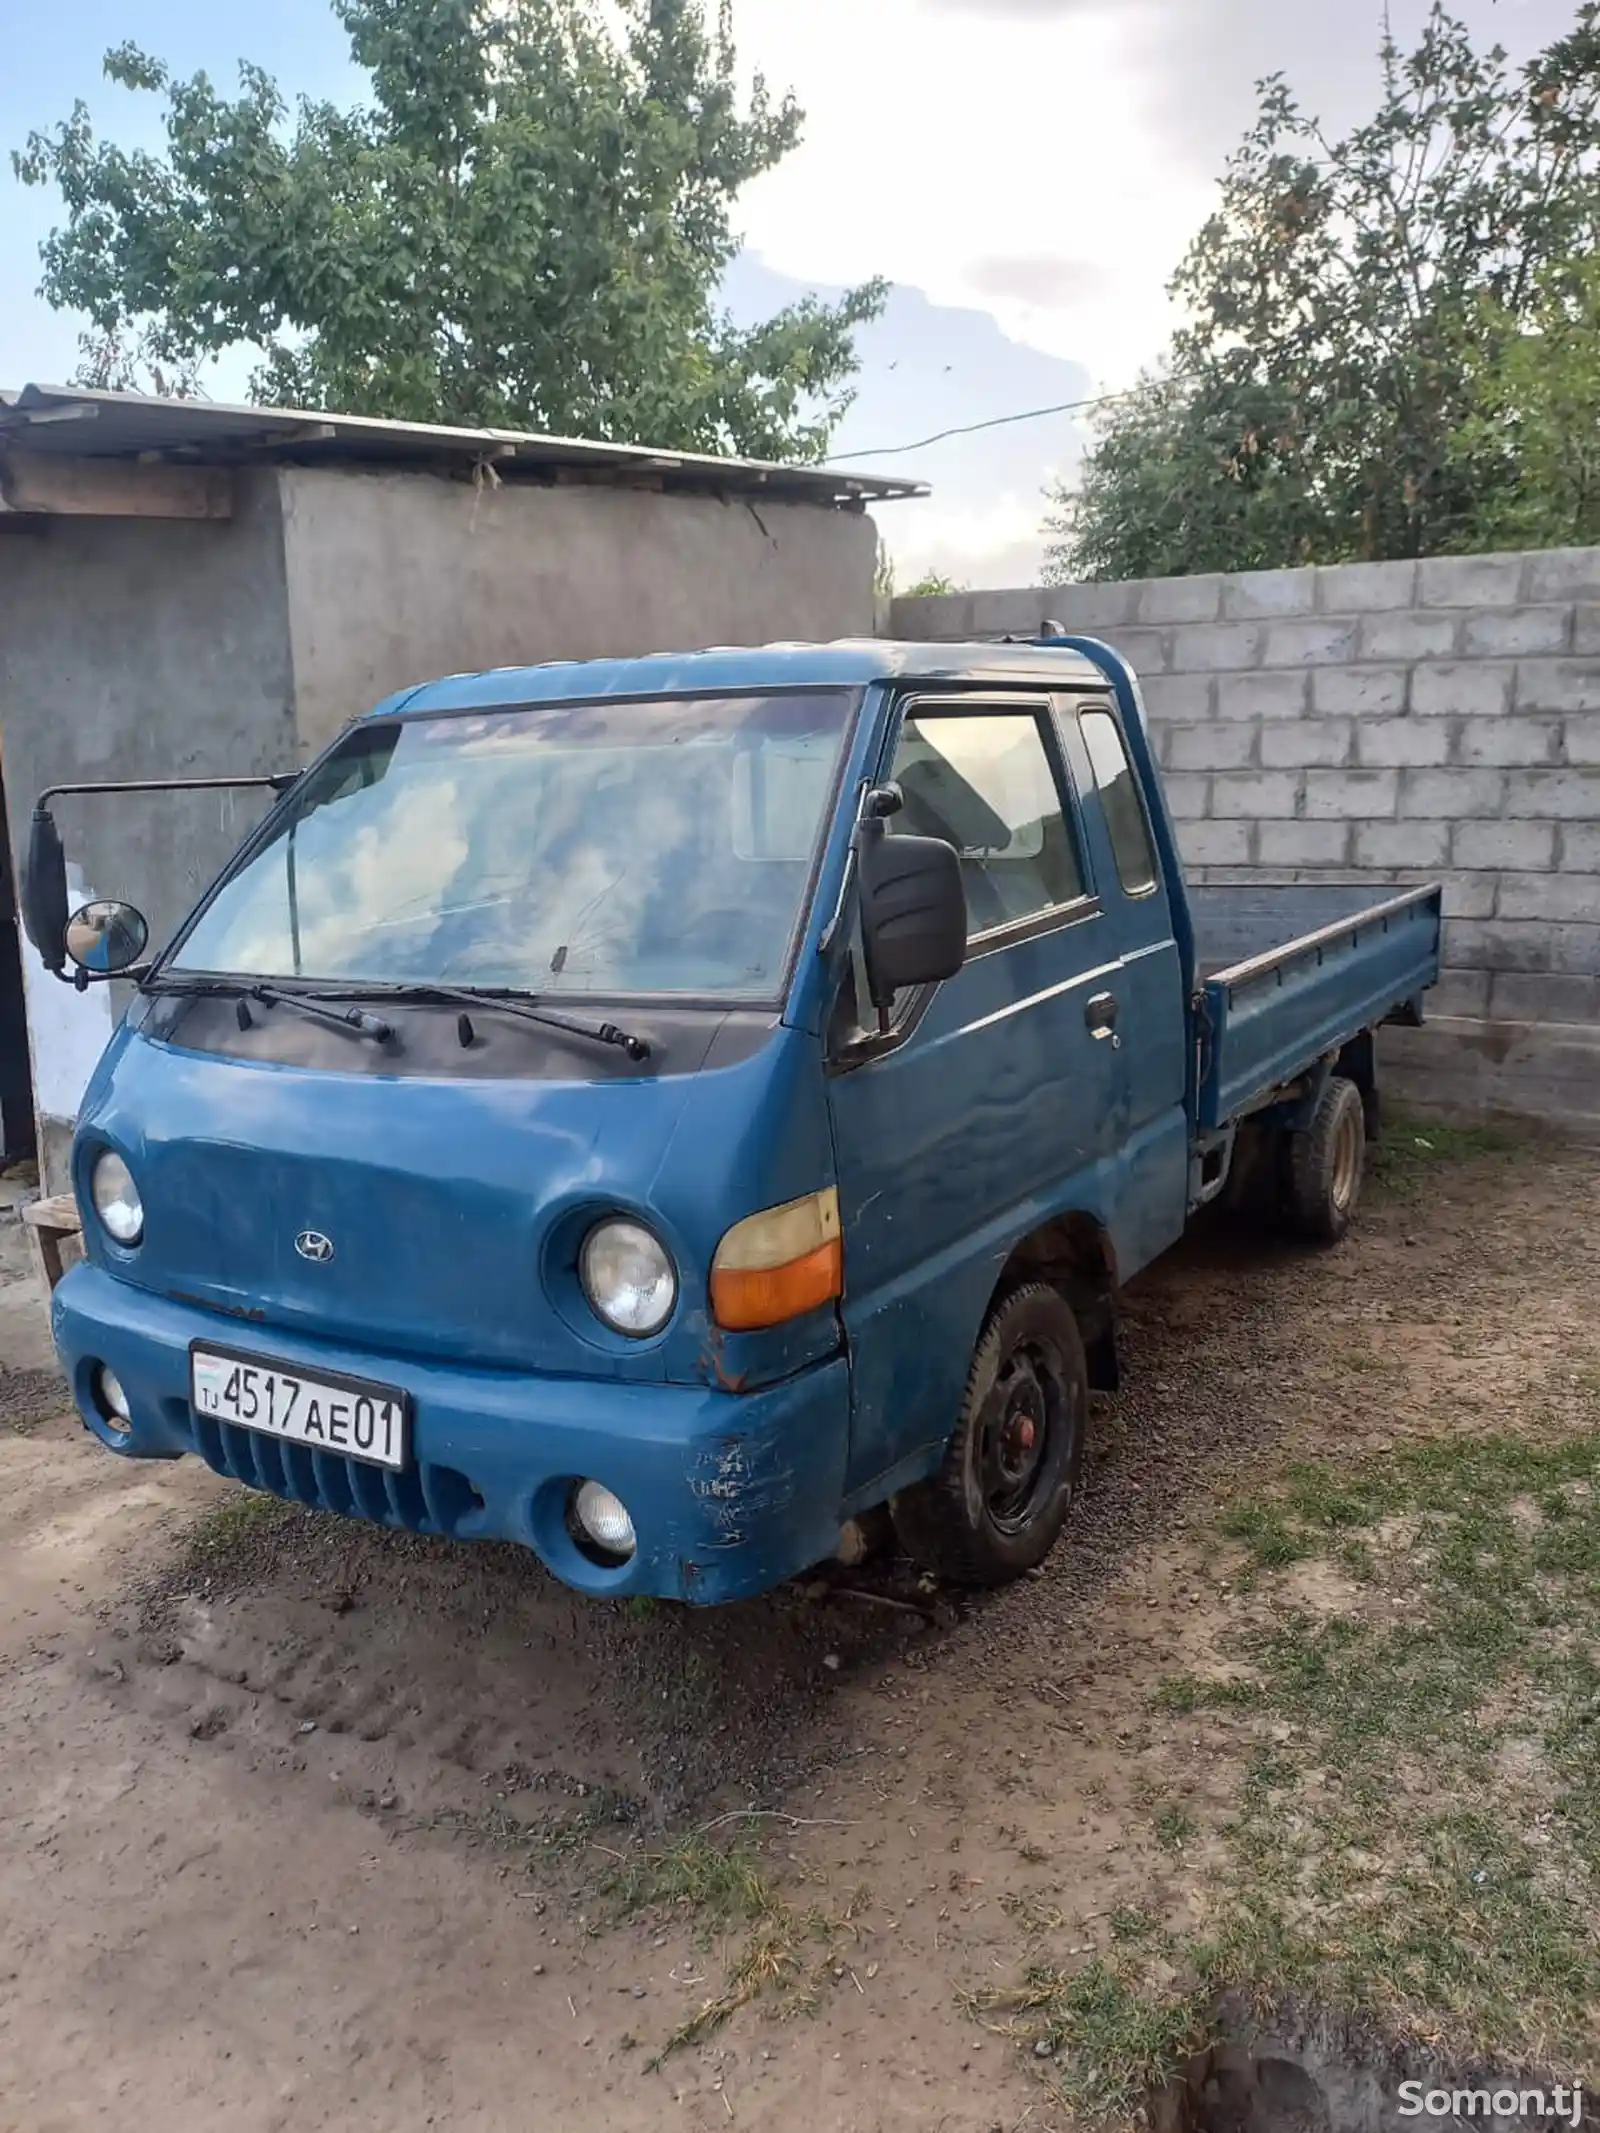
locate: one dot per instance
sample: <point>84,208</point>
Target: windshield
<point>659,846</point>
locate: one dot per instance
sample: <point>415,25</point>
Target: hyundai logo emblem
<point>313,1245</point>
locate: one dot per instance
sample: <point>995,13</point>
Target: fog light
<point>602,1520</point>
<point>113,1401</point>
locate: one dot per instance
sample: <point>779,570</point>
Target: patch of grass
<point>717,1885</point>
<point>1412,1150</point>
<point>244,1515</point>
<point>1111,2036</point>
<point>1417,1834</point>
<point>1174,1827</point>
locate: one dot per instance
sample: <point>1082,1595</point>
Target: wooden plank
<point>59,1214</point>
<point>112,488</point>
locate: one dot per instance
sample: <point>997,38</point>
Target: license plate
<point>350,1416</point>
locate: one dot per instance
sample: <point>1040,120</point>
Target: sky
<point>1026,172</point>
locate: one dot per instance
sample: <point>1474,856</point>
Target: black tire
<point>997,1505</point>
<point>1325,1165</point>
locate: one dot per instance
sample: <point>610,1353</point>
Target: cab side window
<point>1120,802</point>
<point>985,782</point>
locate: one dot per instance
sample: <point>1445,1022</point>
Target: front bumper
<point>729,1492</point>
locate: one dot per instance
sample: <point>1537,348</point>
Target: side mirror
<point>913,910</point>
<point>44,891</point>
<point>106,936</point>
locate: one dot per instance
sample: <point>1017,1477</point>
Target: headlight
<point>628,1278</point>
<point>602,1520</point>
<point>116,1198</point>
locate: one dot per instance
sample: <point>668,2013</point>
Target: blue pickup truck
<point>661,1111</point>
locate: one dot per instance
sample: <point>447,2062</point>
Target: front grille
<point>419,1499</point>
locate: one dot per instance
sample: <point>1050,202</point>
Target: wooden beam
<point>56,486</point>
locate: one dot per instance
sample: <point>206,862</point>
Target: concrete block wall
<point>1388,722</point>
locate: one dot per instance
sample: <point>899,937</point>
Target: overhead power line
<point>995,422</point>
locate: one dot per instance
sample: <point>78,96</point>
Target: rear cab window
<point>1121,802</point>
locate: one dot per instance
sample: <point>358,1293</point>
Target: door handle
<point>1100,1013</point>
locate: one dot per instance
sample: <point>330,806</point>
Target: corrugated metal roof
<point>79,422</point>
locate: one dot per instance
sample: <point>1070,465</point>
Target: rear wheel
<point>1326,1164</point>
<point>997,1505</point>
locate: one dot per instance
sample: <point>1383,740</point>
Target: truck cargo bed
<point>1288,972</point>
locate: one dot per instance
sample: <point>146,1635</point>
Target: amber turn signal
<point>779,1264</point>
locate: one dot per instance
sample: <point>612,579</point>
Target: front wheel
<point>1326,1165</point>
<point>997,1505</point>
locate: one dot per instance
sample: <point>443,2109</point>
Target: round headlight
<point>116,1198</point>
<point>603,1520</point>
<point>628,1278</point>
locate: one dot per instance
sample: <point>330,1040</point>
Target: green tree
<point>1340,306</point>
<point>526,227</point>
<point>1536,415</point>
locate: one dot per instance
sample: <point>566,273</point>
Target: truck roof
<point>851,663</point>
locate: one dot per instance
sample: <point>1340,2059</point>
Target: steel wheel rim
<point>1025,1420</point>
<point>1347,1159</point>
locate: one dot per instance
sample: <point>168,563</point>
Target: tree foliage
<point>1346,306</point>
<point>526,227</point>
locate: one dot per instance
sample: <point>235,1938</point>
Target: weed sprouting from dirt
<point>716,1885</point>
<point>1110,2038</point>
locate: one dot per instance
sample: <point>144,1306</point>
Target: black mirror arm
<point>278,781</point>
<point>80,979</point>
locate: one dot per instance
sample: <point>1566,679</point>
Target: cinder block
<point>1359,588</point>
<point>1519,996</point>
<point>1299,742</point>
<point>1524,845</point>
<point>1187,796</point>
<point>1256,795</point>
<point>1256,593</point>
<point>1470,581</point>
<point>1586,627</point>
<point>1351,795</point>
<point>1564,574</point>
<point>1513,632</point>
<point>1402,844</point>
<point>1558,685</point>
<point>1303,844</point>
<point>1217,745</point>
<point>1216,648</point>
<point>1581,738</point>
<point>1310,644</point>
<point>1580,847</point>
<point>1144,650</point>
<point>1479,691</point>
<point>1362,691</point>
<point>1262,696</point>
<point>1565,685</point>
<point>1454,795</point>
<point>1469,895</point>
<point>1560,795</point>
<point>1460,992</point>
<point>1408,637</point>
<point>1089,609</point>
<point>1508,741</point>
<point>1560,898</point>
<point>1221,844</point>
<point>1176,696</point>
<point>1197,599</point>
<point>1525,944</point>
<point>1384,741</point>
<point>941,618</point>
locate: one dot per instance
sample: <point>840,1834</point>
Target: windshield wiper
<point>355,1020</point>
<point>510,1003</point>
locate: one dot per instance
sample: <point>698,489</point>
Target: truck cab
<point>659,1111</point>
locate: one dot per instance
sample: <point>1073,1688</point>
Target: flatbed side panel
<point>1272,1017</point>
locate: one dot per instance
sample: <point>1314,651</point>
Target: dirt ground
<point>304,1825</point>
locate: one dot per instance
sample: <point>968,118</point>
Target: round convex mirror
<point>106,936</point>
